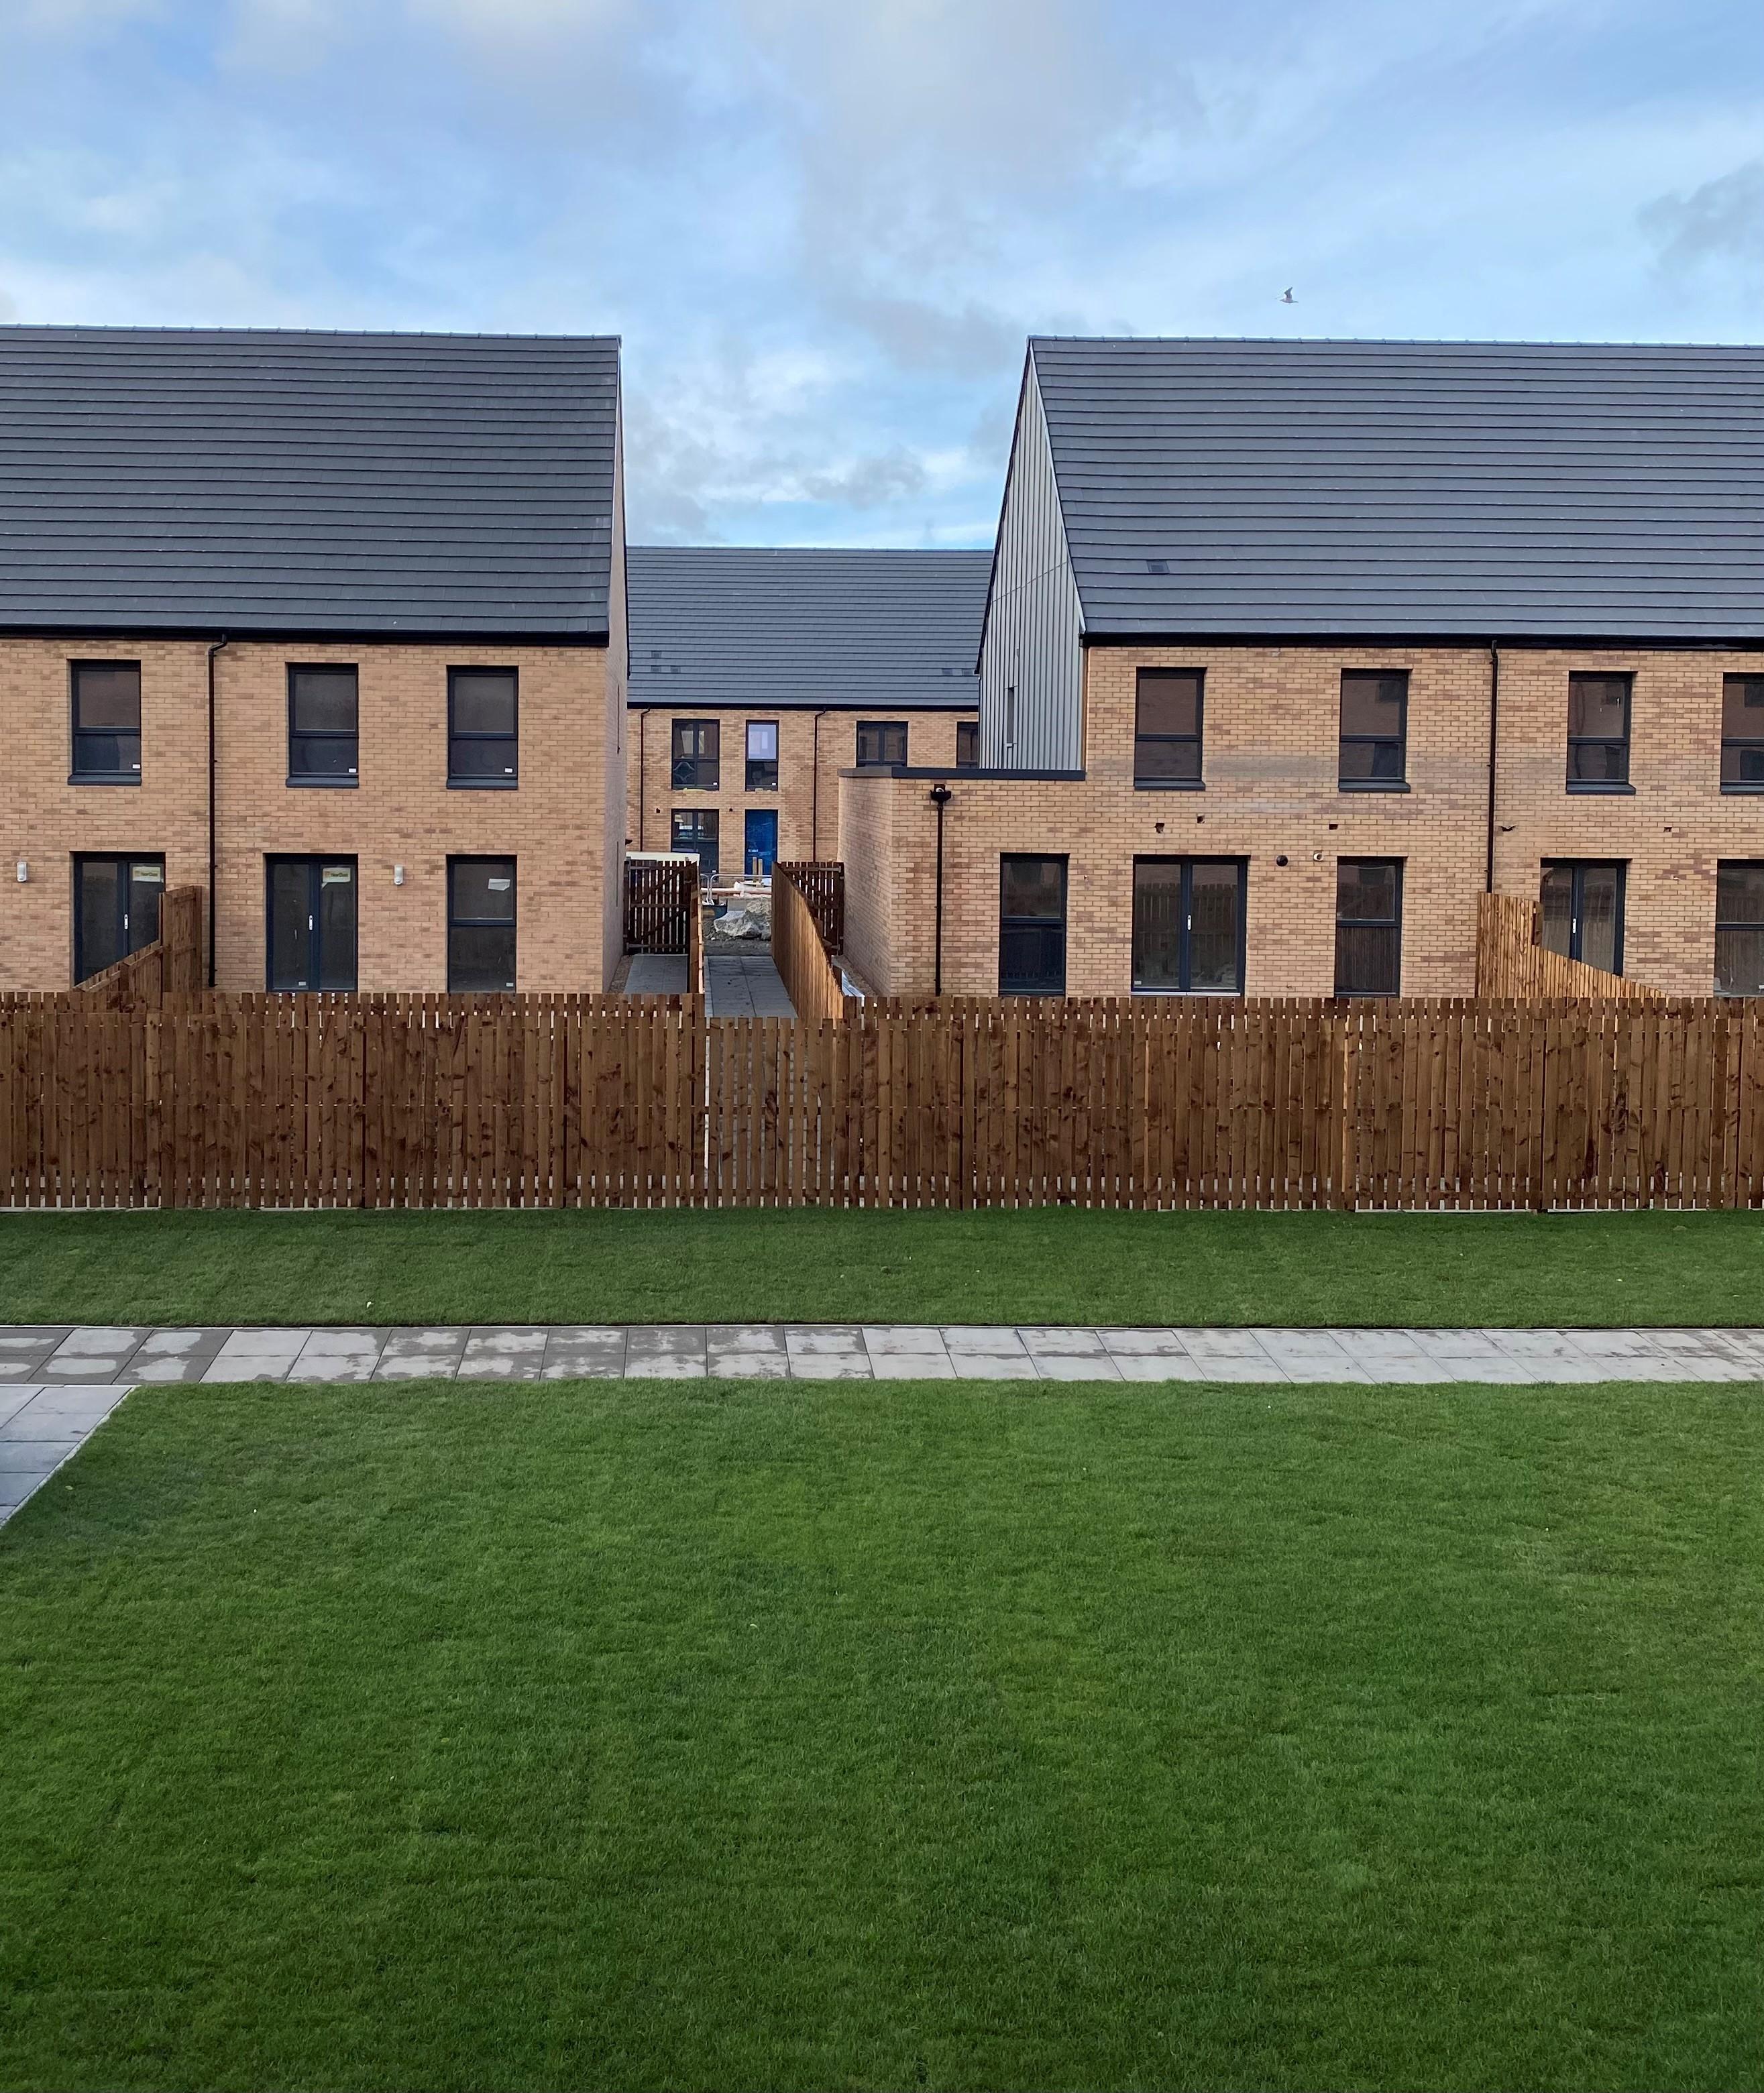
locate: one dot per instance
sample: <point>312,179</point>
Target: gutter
<point>213,854</point>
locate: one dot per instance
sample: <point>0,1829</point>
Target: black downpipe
<point>941,795</point>
<point>814,791</point>
<point>212,861</point>
<point>1494,728</point>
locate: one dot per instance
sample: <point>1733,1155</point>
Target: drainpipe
<point>814,795</point>
<point>642,771</point>
<point>1494,720</point>
<point>940,795</point>
<point>212,861</point>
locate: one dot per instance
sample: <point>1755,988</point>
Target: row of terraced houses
<point>1286,653</point>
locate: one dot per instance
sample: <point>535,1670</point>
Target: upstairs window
<point>1739,928</point>
<point>762,755</point>
<point>1599,733</point>
<point>1368,926</point>
<point>1032,926</point>
<point>106,723</point>
<point>1167,726</point>
<point>323,743</point>
<point>481,708</point>
<point>881,743</point>
<point>480,925</point>
<point>1742,734</point>
<point>966,744</point>
<point>1375,725</point>
<point>1583,912</point>
<point>697,755</point>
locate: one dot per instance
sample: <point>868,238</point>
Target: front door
<point>311,923</point>
<point>759,850</point>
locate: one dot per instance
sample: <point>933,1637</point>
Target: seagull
<point>1286,297</point>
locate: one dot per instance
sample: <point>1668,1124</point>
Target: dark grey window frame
<point>1740,742</point>
<point>862,762</point>
<point>456,780</point>
<point>1188,864</point>
<point>699,814</point>
<point>1197,782</point>
<point>1045,986</point>
<point>1753,928</point>
<point>1400,782</point>
<point>308,780</point>
<point>1599,785</point>
<point>77,774</point>
<point>1369,923</point>
<point>314,861</point>
<point>1578,867</point>
<point>687,771</point>
<point>967,737</point>
<point>760,764</point>
<point>128,940</point>
<point>511,922</point>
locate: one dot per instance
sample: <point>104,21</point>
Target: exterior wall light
<point>24,872</point>
<point>397,875</point>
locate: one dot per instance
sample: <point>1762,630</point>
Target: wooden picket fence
<point>661,901</point>
<point>586,1101</point>
<point>800,953</point>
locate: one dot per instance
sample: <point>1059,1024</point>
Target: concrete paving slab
<point>429,1353</point>
<point>584,1351</point>
<point>663,1351</point>
<point>827,1353</point>
<point>1067,1341</point>
<point>657,973</point>
<point>504,1354</point>
<point>1151,1343</point>
<point>1159,1365</point>
<point>739,1351</point>
<point>12,1400</point>
<point>907,1351</point>
<point>988,1352</point>
<point>96,1341</point>
<point>1231,1355</point>
<point>64,1411</point>
<point>22,1340</point>
<point>36,1456</point>
<point>257,1354</point>
<point>175,1355</point>
<point>339,1355</point>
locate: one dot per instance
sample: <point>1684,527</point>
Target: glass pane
<point>1156,762</point>
<point>1598,763</point>
<point>290,939</point>
<point>481,759</point>
<point>1031,959</point>
<point>324,700</point>
<point>326,756</point>
<point>1158,924</point>
<point>1033,887</point>
<point>107,754</point>
<point>1365,959</point>
<point>966,744</point>
<point>107,694</point>
<point>762,739</point>
<point>337,927</point>
<point>1739,894</point>
<point>1372,761</point>
<point>483,701</point>
<point>1170,702</point>
<point>1597,705</point>
<point>1740,962</point>
<point>1600,920</point>
<point>1372,704</point>
<point>1742,763</point>
<point>483,889</point>
<point>1212,936</point>
<point>1742,707</point>
<point>98,927</point>
<point>146,883</point>
<point>1366,892</point>
<point>1556,892</point>
<point>480,958</point>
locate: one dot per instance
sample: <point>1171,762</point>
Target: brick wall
<point>807,827</point>
<point>1272,719</point>
<point>555,823</point>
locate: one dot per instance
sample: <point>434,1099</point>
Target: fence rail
<point>223,1100</point>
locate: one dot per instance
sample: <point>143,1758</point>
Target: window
<point>1583,911</point>
<point>480,925</point>
<point>1188,925</point>
<point>1368,926</point>
<point>116,908</point>
<point>1598,734</point>
<point>107,723</point>
<point>1032,926</point>
<point>481,727</point>
<point>1375,716</point>
<point>1740,928</point>
<point>881,742</point>
<point>697,755</point>
<point>762,755</point>
<point>310,917</point>
<point>694,829</point>
<point>1167,710</point>
<point>966,744</point>
<point>323,741</point>
<point>1742,734</point>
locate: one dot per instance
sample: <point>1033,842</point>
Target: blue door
<point>759,850</point>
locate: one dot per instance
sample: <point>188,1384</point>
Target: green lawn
<point>762,1735</point>
<point>1054,1265</point>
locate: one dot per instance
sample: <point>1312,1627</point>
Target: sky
<point>825,227</point>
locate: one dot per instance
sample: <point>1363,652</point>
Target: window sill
<point>1742,792</point>
<point>483,784</point>
<point>1192,995</point>
<point>101,778</point>
<point>1372,785</point>
<point>323,784</point>
<point>1169,784</point>
<point>1598,792</point>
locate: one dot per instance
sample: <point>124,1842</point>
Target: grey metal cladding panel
<point>746,626</point>
<point>269,481</point>
<point>1411,487</point>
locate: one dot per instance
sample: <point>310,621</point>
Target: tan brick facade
<point>561,825</point>
<point>809,761</point>
<point>1271,725</point>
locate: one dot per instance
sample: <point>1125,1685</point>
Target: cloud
<point>868,482</point>
<point>1721,222</point>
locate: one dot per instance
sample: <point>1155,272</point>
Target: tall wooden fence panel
<point>800,953</point>
<point>822,886</point>
<point>661,899</point>
<point>1511,959</point>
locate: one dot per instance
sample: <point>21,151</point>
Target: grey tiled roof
<point>743,625</point>
<point>255,481</point>
<point>1484,488</point>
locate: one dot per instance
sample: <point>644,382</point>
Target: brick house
<point>1292,649</point>
<point>758,675</point>
<point>329,626</point>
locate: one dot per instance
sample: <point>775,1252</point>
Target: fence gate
<point>660,896</point>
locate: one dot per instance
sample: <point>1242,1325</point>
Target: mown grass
<point>1047,1266</point>
<point>765,1735</point>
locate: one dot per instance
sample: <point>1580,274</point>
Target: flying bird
<point>1286,297</point>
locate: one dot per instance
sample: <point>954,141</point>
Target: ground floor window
<point>310,921</point>
<point>1739,928</point>
<point>694,829</point>
<point>115,907</point>
<point>1188,925</point>
<point>1032,926</point>
<point>1583,911</point>
<point>1368,925</point>
<point>480,925</point>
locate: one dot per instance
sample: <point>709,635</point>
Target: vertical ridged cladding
<point>1033,620</point>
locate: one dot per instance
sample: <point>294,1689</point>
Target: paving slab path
<point>59,1382</point>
